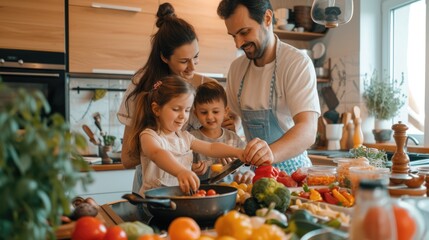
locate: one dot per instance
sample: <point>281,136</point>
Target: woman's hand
<point>258,152</point>
<point>188,180</point>
<point>200,167</point>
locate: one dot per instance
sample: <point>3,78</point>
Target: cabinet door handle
<point>115,7</point>
<point>30,74</point>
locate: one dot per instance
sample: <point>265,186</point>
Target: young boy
<point>210,107</point>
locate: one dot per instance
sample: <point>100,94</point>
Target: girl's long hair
<point>161,93</point>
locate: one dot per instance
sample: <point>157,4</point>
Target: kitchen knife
<point>226,170</point>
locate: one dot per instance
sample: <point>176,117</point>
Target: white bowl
<point>288,27</point>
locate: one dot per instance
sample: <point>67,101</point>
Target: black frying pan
<point>201,209</point>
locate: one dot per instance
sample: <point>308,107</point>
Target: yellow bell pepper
<point>268,232</point>
<point>315,195</point>
<point>234,224</point>
<point>349,198</point>
<point>343,200</point>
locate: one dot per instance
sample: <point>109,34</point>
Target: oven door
<point>52,83</point>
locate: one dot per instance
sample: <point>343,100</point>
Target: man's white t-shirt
<point>295,87</point>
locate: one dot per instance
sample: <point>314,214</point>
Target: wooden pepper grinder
<point>346,117</point>
<point>400,159</point>
<point>358,135</point>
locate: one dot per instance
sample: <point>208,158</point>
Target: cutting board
<point>64,231</point>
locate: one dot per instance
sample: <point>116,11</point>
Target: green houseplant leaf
<point>39,166</point>
<point>383,98</point>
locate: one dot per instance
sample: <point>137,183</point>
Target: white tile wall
<point>82,108</point>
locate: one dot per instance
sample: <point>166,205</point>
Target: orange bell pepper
<point>343,200</point>
<point>234,224</point>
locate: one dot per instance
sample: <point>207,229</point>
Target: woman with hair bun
<point>175,51</point>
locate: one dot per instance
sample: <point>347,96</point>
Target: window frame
<point>387,6</point>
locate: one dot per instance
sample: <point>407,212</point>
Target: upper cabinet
<point>32,25</point>
<point>217,48</point>
<point>110,36</point>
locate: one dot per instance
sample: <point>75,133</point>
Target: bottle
<point>373,217</point>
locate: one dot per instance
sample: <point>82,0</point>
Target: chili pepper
<point>343,200</point>
<point>315,195</point>
<point>349,197</point>
<point>329,198</point>
<point>267,171</point>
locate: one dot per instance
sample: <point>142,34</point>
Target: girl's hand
<point>188,180</point>
<point>200,167</point>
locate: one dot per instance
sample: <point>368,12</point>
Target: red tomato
<point>115,233</point>
<point>202,192</point>
<point>282,174</point>
<point>211,192</point>
<point>304,194</point>
<point>88,228</point>
<point>298,175</point>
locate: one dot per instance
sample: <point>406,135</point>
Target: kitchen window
<point>405,52</point>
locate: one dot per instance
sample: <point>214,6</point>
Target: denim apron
<point>263,124</point>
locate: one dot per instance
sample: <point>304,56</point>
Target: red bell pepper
<point>267,171</point>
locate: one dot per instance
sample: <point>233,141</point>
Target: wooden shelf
<point>303,36</point>
<point>323,80</point>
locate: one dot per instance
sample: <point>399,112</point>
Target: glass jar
<point>343,167</point>
<point>321,175</point>
<point>367,172</point>
<point>373,216</point>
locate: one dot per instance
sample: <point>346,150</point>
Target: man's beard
<point>257,52</point>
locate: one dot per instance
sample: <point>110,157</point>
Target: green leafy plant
<point>383,98</point>
<point>109,140</point>
<point>376,158</point>
<point>39,166</point>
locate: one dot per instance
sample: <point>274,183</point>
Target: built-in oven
<point>37,70</point>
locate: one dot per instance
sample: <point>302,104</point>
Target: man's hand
<point>229,123</point>
<point>258,152</point>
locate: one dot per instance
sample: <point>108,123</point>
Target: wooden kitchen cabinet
<point>146,6</point>
<point>109,40</point>
<point>32,25</point>
<point>217,48</point>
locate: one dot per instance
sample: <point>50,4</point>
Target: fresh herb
<point>384,98</point>
<point>37,173</point>
<point>109,140</point>
<point>376,158</point>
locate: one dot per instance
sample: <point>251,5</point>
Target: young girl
<point>165,150</point>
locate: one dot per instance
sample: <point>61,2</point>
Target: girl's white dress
<point>179,145</point>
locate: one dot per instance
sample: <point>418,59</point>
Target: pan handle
<point>136,199</point>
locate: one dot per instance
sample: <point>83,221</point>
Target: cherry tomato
<point>202,192</point>
<point>88,228</point>
<point>211,192</point>
<point>115,233</point>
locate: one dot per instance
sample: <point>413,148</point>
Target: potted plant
<point>39,166</point>
<point>384,99</point>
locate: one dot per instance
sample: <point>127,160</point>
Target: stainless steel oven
<point>37,70</point>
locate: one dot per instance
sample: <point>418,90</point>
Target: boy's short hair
<point>209,92</point>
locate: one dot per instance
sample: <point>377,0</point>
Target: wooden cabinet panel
<point>108,39</point>
<point>217,48</point>
<point>32,25</point>
<point>146,6</point>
